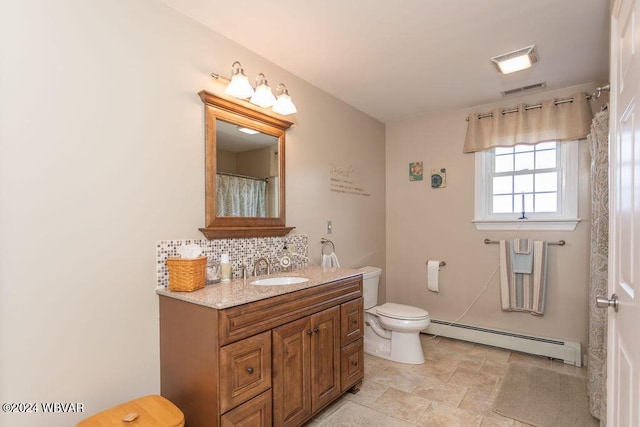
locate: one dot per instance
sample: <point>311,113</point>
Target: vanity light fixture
<point>283,104</point>
<point>263,95</point>
<point>517,60</point>
<point>239,85</point>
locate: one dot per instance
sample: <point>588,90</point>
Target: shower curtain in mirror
<point>238,196</point>
<point>597,349</point>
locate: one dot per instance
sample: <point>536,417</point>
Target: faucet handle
<point>285,262</point>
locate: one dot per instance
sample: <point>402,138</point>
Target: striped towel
<point>520,291</point>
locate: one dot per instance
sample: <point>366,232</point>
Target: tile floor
<point>455,386</point>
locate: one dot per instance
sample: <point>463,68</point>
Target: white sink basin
<point>275,281</point>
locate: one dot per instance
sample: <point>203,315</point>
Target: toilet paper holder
<point>442,263</point>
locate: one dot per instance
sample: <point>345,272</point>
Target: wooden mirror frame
<point>230,111</point>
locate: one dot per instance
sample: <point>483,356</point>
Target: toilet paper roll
<point>433,269</point>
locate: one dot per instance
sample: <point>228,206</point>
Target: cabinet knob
<point>354,363</point>
<point>354,321</point>
<point>250,370</point>
<point>309,333</point>
<point>316,330</point>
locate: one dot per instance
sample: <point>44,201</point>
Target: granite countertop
<point>240,291</point>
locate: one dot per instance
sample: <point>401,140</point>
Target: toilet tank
<point>371,280</point>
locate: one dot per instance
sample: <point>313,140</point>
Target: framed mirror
<point>244,170</point>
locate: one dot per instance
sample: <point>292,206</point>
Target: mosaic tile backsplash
<point>241,252</point>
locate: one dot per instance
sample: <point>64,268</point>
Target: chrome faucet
<point>257,264</point>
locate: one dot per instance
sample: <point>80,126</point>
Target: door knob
<point>603,302</point>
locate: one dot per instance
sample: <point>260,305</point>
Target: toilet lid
<point>402,312</point>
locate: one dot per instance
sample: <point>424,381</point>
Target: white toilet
<point>392,331</point>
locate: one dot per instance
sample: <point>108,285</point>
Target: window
<point>538,182</point>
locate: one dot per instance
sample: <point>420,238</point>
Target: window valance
<point>552,120</point>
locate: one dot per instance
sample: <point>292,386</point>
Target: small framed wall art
<point>415,171</point>
<point>439,178</point>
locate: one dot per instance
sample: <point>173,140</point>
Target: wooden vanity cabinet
<point>276,361</point>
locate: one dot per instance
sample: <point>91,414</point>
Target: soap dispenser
<point>225,268</point>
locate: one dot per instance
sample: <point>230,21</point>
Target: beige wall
<point>255,162</point>
<point>425,223</point>
<point>102,155</point>
<point>226,161</point>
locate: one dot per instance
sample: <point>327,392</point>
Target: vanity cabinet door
<point>245,370</point>
<point>325,357</point>
<point>306,366</point>
<point>292,373</point>
<point>352,321</point>
<point>352,364</point>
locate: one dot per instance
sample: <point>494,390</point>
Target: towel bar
<point>558,243</point>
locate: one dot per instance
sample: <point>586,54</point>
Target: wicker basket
<point>186,275</point>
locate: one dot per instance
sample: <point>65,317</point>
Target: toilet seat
<point>401,311</point>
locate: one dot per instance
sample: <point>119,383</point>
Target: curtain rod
<point>594,95</point>
<point>243,176</point>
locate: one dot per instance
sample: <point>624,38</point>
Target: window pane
<point>546,159</point>
<point>502,204</point>
<point>504,163</point>
<point>546,145</point>
<point>524,161</point>
<point>523,183</point>
<point>523,202</point>
<point>503,150</point>
<point>502,185</point>
<point>528,203</point>
<point>547,181</point>
<point>524,148</point>
<point>546,202</point>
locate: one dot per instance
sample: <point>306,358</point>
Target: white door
<point>623,361</point>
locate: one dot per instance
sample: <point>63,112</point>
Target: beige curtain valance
<point>552,121</point>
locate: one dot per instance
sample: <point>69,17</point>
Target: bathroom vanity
<point>240,354</point>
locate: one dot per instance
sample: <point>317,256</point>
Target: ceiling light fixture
<point>263,95</point>
<point>517,60</point>
<point>239,86</point>
<point>248,131</point>
<point>283,104</point>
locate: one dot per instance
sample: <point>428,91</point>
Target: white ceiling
<point>395,59</point>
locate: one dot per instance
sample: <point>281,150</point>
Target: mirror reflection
<point>247,172</point>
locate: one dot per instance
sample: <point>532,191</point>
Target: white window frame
<point>565,220</point>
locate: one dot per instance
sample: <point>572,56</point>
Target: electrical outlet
<point>329,226</point>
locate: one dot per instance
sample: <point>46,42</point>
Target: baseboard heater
<point>568,351</point>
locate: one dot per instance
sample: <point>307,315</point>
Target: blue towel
<point>522,256</point>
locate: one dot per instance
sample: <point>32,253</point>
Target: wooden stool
<point>148,411</point>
